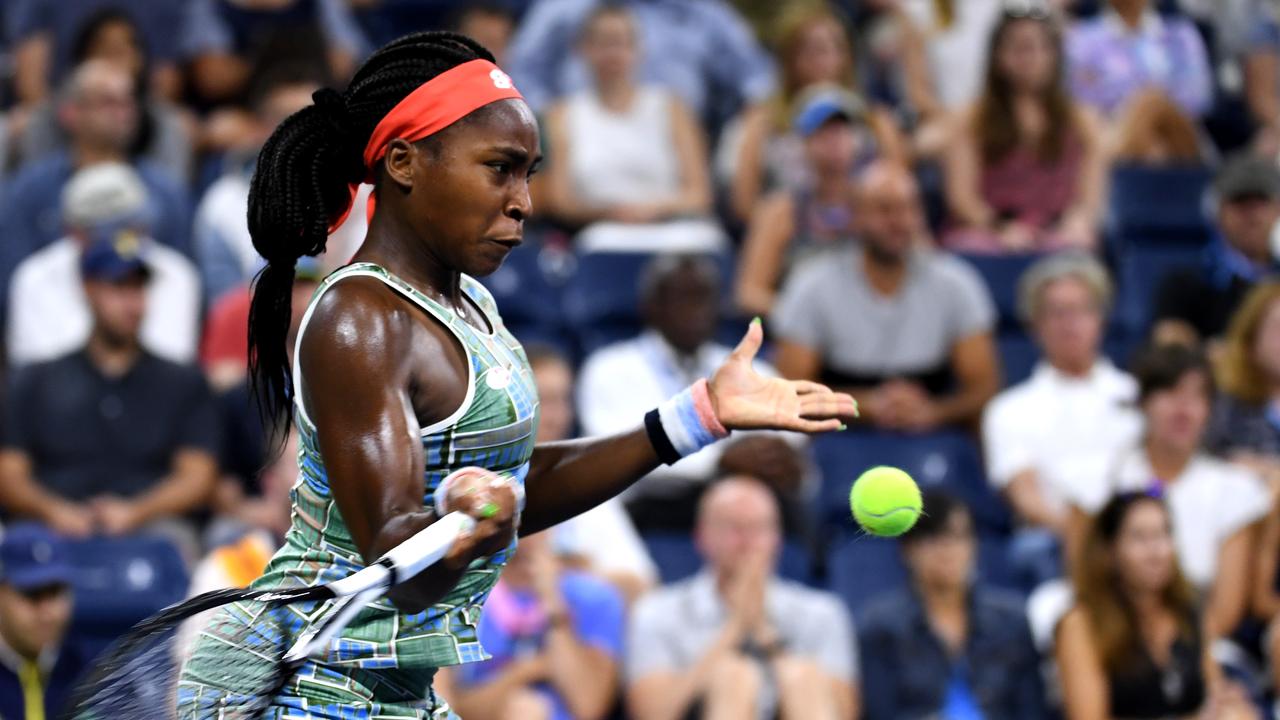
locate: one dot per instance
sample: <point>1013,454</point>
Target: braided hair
<point>301,183</point>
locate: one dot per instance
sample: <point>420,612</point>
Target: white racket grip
<point>428,545</point>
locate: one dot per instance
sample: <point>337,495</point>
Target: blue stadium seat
<point>861,567</point>
<point>119,581</point>
<point>677,558</point>
<point>1140,269</point>
<point>947,460</point>
<point>1163,203</point>
<point>1001,273</point>
<point>602,298</point>
<point>528,289</point>
<point>1018,355</point>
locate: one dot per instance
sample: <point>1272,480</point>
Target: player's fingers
<point>808,387</point>
<point>828,406</point>
<point>750,343</point>
<point>814,426</point>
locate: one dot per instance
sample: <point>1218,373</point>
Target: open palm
<point>746,400</point>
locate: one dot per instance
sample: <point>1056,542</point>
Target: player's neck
<point>393,246</point>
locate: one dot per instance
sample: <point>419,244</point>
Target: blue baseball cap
<point>32,556</point>
<point>115,256</point>
<point>820,103</point>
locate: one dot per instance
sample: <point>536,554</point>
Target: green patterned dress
<point>382,665</point>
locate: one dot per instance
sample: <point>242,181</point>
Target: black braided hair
<point>300,186</point>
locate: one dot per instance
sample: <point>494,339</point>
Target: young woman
<point>1025,170</point>
<point>1131,647</point>
<point>404,373</point>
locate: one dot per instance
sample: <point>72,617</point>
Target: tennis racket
<point>137,677</point>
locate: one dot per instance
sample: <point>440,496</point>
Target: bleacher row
<point>583,302</point>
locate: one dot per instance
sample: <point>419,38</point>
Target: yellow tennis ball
<point>885,501</point>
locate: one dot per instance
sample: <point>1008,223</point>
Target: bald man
<point>734,641</point>
<point>905,329</point>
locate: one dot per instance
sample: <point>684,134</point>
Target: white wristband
<point>442,491</point>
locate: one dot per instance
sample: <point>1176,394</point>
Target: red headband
<point>432,107</point>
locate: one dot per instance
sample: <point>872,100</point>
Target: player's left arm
<point>568,478</point>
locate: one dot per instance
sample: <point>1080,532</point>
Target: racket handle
<point>428,545</point>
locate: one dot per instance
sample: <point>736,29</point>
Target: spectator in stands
<point>769,154</point>
<point>1194,304</point>
<point>164,132</point>
<point>220,234</point>
<point>905,329</point>
<point>48,313</point>
<point>110,438</point>
<point>1025,168</point>
<point>1129,48</point>
<point>626,154</point>
<point>1132,645</point>
<point>1257,47</point>
<point>222,37</point>
<point>680,296</point>
<point>734,641</point>
<point>45,37</point>
<point>100,114</point>
<point>954,34</point>
<point>490,24</point>
<point>792,224</point>
<point>1076,404</point>
<point>947,646</point>
<point>38,669</point>
<point>703,52</point>
<point>602,540</point>
<point>1214,504</point>
<point>1148,74</point>
<point>1246,420</point>
<point>556,640</point>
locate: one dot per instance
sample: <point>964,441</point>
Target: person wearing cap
<point>626,154</point>
<point>37,668</point>
<point>1195,304</point>
<point>905,329</point>
<point>795,223</point>
<point>108,222</point>
<point>108,437</point>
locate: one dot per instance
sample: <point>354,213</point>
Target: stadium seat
<point>677,558</point>
<point>602,298</point>
<point>1018,355</point>
<point>119,581</point>
<point>861,567</point>
<point>1001,273</point>
<point>1164,203</point>
<point>528,289</point>
<point>947,460</point>
<point>1140,269</point>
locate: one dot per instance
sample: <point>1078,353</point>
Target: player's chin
<point>488,256</point>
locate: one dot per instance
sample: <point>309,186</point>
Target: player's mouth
<point>510,243</point>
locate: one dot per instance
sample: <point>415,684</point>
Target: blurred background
<point>1037,240</point>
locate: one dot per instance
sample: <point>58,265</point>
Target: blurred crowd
<point>1037,240</point>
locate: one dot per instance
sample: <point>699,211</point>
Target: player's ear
<point>398,164</point>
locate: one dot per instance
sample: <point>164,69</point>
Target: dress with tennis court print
<point>382,664</point>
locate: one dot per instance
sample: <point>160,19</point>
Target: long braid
<point>301,184</point>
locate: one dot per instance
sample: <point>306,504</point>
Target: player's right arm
<point>357,359</point>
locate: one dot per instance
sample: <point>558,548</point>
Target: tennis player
<point>404,375</point>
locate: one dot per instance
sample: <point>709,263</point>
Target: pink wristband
<point>707,411</point>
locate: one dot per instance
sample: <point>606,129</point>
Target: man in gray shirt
<point>905,329</point>
<point>734,640</point>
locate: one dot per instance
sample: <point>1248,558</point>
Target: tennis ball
<point>885,501</point>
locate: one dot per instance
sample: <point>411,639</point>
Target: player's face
<point>470,196</point>
<point>1176,417</point>
<point>35,620</point>
<point>1069,323</point>
<point>1266,348</point>
<point>1143,549</point>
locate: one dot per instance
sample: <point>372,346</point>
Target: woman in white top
<point>1214,504</point>
<point>620,151</point>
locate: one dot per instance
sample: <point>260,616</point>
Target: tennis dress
<point>383,663</point>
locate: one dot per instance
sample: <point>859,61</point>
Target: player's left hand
<point>746,400</point>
